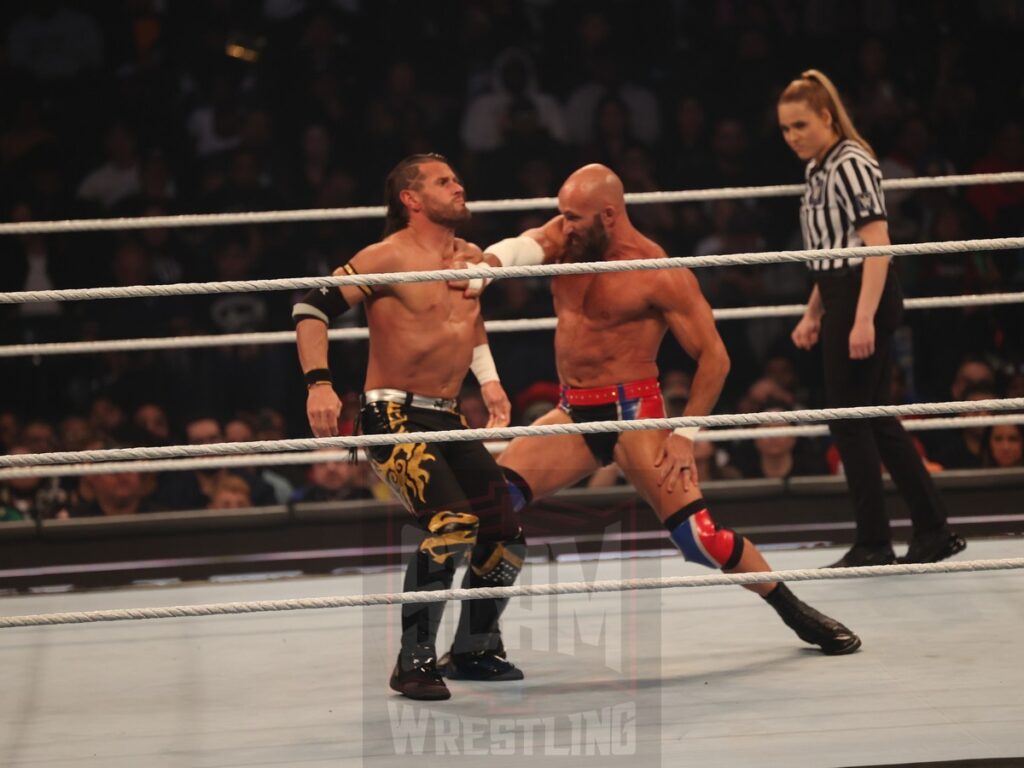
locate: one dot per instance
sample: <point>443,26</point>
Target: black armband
<point>322,304</point>
<point>318,376</point>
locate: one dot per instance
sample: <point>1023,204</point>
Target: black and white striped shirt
<point>843,193</point>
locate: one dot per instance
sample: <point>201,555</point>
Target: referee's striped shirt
<point>843,193</point>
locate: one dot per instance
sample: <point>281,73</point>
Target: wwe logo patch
<point>865,203</point>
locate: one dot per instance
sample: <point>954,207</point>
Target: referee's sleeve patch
<point>861,181</point>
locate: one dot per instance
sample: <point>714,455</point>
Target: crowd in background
<point>143,107</point>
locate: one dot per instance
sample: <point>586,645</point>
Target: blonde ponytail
<point>814,87</point>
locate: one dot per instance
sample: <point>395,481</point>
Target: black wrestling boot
<point>416,676</point>
<point>932,547</point>
<point>486,665</point>
<point>810,625</point>
<point>865,554</point>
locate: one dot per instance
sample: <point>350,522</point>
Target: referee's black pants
<point>865,444</point>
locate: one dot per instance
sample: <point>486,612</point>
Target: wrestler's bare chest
<point>601,301</point>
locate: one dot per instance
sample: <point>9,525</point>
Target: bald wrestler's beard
<point>451,217</point>
<point>589,245</point>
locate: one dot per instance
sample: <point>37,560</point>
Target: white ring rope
<point>493,326</point>
<point>539,270</point>
<point>495,447</point>
<point>566,588</point>
<point>478,206</point>
<point>464,435</point>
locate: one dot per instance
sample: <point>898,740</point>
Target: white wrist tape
<point>690,433</point>
<point>478,284</point>
<point>483,364</point>
<point>517,251</point>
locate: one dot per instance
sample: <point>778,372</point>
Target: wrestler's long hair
<point>815,88</point>
<point>405,175</point>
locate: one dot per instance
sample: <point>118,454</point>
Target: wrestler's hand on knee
<point>498,406</point>
<point>676,461</point>
<point>862,339</point>
<point>323,409</point>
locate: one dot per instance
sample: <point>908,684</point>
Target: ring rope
<point>495,447</point>
<point>478,206</point>
<point>492,326</point>
<point>465,435</point>
<point>539,270</point>
<point>566,588</point>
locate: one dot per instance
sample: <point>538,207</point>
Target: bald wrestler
<point>610,327</point>
<point>424,338</point>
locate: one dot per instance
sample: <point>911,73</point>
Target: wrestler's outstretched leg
<point>692,529</point>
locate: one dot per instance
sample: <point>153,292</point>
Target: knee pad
<point>700,540</point>
<point>450,537</point>
<point>519,491</point>
<point>498,565</point>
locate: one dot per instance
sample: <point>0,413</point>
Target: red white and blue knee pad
<point>701,541</point>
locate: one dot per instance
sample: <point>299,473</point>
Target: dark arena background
<point>130,109</point>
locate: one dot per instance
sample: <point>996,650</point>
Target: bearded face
<point>590,244</point>
<point>449,212</point>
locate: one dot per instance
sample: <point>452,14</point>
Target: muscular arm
<point>550,237</point>
<point>689,318</point>
<point>322,403</point>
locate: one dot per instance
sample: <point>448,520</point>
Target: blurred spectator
<point>268,425</point>
<point>656,220</point>
<point>763,392</point>
<point>1000,204</point>
<point>687,151</point>
<point>30,498</point>
<point>1003,444</point>
<point>10,429</point>
<point>972,372</point>
<point>339,480</point>
<point>34,263</point>
<point>607,79</point>
<point>713,463</point>
<point>473,409</point>
<point>120,493</point>
<point>194,490</point>
<point>239,431</point>
<point>150,421</point>
<point>963,448</point>
<point>106,417</point>
<point>39,437</point>
<point>675,391</point>
<point>216,124</point>
<point>75,433</point>
<point>781,457</point>
<point>118,177</point>
<point>536,400</point>
<point>52,41</point>
<point>514,79</point>
<point>229,492</point>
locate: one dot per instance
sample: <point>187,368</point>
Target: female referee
<point>855,307</point>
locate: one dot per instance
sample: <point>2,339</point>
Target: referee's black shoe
<point>932,547</point>
<point>479,665</point>
<point>865,554</point>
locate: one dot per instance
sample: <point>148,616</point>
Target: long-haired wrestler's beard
<point>452,215</point>
<point>588,245</point>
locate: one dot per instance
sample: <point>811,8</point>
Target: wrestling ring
<point>619,664</point>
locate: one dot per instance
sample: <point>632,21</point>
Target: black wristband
<point>318,375</point>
